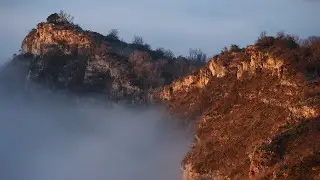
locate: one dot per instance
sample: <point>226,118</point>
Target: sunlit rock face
<point>257,112</point>
<point>39,40</point>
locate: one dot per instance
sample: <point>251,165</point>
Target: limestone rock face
<point>46,35</point>
<point>257,115</point>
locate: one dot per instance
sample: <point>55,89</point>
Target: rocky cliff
<point>257,112</point>
<point>39,40</point>
<point>256,108</point>
<point>60,54</point>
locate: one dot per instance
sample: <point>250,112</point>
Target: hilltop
<point>257,111</point>
<point>63,55</point>
<point>256,108</point>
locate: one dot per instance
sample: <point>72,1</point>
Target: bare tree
<point>113,34</point>
<point>263,34</point>
<point>311,40</point>
<point>281,34</point>
<point>235,48</point>
<point>197,55</point>
<point>165,53</point>
<point>137,40</point>
<point>66,18</point>
<point>168,54</point>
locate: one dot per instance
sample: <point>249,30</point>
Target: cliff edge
<point>257,112</point>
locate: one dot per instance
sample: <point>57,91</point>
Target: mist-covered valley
<point>48,135</point>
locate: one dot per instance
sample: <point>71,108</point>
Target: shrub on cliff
<point>61,18</point>
<point>235,48</point>
<point>113,35</point>
<point>53,18</point>
<point>281,40</point>
<point>265,41</point>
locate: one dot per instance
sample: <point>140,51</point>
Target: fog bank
<point>48,136</point>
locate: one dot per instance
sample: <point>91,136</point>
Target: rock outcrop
<point>257,113</point>
<point>63,55</point>
<point>46,35</point>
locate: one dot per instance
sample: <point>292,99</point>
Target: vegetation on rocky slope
<point>63,55</point>
<point>257,108</point>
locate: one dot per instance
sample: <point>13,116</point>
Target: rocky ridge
<point>257,108</point>
<point>61,54</point>
<point>257,112</point>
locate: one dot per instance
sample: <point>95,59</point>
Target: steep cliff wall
<point>257,115</point>
<point>67,56</point>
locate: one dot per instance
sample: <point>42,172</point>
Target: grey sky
<point>176,24</point>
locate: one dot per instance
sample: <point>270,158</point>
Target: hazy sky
<point>175,24</point>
